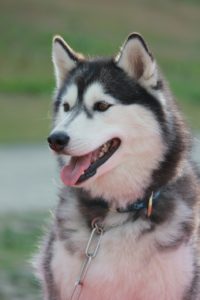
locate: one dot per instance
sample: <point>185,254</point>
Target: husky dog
<point>127,224</point>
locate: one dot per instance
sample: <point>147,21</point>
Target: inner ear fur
<point>64,59</point>
<point>136,59</point>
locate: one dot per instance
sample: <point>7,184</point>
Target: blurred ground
<point>29,177</point>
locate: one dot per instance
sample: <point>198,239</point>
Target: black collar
<point>146,203</point>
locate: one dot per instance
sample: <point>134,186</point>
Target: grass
<point>26,118</point>
<point>19,237</point>
<point>91,27</point>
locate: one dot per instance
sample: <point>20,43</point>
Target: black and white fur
<point>139,258</point>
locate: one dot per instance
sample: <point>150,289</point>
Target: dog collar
<point>142,204</point>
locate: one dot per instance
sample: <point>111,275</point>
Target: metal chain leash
<point>90,253</point>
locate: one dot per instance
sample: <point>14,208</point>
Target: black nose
<point>58,140</point>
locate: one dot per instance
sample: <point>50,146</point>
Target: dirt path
<point>28,177</point>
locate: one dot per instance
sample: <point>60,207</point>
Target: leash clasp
<point>94,240</point>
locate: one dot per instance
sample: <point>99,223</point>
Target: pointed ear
<point>136,60</point>
<point>64,59</point>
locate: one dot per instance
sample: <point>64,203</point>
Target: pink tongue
<point>71,173</point>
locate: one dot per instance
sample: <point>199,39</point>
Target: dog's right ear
<point>64,59</point>
<point>137,61</point>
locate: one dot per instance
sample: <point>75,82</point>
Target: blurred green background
<point>92,27</point>
<point>26,85</point>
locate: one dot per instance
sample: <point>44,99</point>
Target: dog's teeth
<point>105,147</point>
<point>101,154</point>
<point>102,151</point>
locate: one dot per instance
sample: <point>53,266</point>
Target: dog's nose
<point>58,140</point>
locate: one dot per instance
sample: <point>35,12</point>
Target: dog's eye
<point>66,106</point>
<point>101,106</point>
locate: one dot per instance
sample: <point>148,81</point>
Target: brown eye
<point>101,106</point>
<point>66,106</point>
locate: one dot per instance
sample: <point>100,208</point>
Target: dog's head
<point>110,117</point>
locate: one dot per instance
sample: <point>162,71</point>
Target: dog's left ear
<point>136,60</point>
<point>64,59</point>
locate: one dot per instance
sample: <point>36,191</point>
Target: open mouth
<point>81,168</point>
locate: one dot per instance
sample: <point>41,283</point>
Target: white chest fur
<point>125,268</point>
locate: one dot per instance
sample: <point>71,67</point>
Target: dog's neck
<point>93,208</point>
